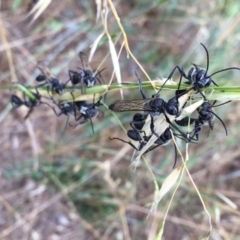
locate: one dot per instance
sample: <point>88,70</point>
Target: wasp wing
<point>84,60</point>
<point>132,105</point>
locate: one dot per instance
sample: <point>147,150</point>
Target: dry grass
<point>78,185</point>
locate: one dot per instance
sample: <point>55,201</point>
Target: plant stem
<point>217,93</point>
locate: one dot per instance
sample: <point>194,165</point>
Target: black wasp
<point>206,115</point>
<point>134,135</point>
<point>86,111</point>
<point>46,79</point>
<point>29,102</point>
<point>86,75</point>
<point>66,108</point>
<point>198,77</point>
<point>154,106</point>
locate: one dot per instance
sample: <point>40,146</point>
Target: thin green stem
<point>218,93</point>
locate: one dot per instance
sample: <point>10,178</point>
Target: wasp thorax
<point>87,73</point>
<point>202,79</point>
<point>205,111</point>
<point>157,104</point>
<point>67,108</point>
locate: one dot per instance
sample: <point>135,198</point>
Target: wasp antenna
<point>214,83</point>
<point>82,57</point>
<point>163,86</point>
<point>196,66</point>
<point>213,105</point>
<point>223,70</point>
<point>115,138</point>
<point>199,90</point>
<point>99,72</point>
<point>175,153</point>
<point>220,121</point>
<point>207,58</point>
<point>140,84</point>
<point>66,124</point>
<point>180,81</point>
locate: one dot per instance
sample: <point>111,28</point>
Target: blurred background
<point>80,185</point>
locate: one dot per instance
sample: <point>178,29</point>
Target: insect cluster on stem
<point>143,125</point>
<point>82,111</point>
<point>146,131</point>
